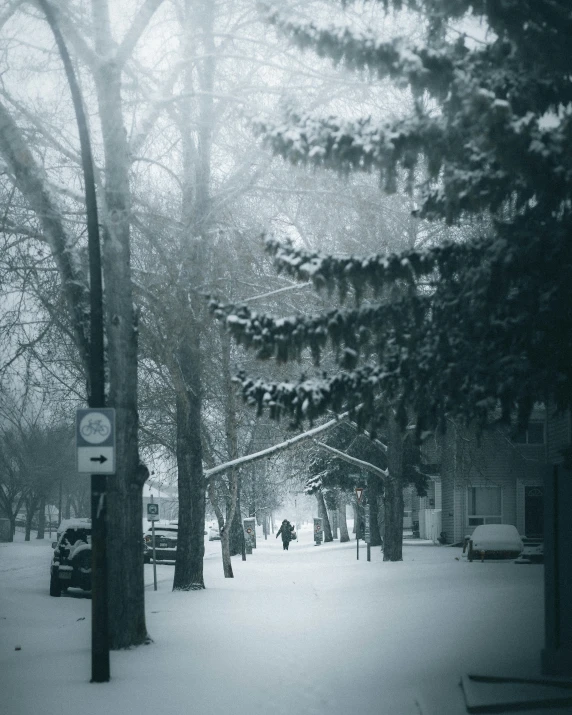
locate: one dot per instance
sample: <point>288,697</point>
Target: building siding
<point>490,460</point>
<point>558,436</point>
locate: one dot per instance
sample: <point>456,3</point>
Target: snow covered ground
<point>301,632</point>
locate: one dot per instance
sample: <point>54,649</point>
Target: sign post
<point>95,442</point>
<point>249,526</point>
<point>359,494</point>
<point>318,530</point>
<point>153,516</point>
<point>96,371</point>
<point>367,533</point>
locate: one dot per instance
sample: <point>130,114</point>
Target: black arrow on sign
<point>101,459</point>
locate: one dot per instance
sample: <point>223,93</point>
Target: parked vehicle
<point>495,541</point>
<point>214,533</point>
<point>71,561</point>
<point>532,553</point>
<point>147,553</point>
<point>165,543</point>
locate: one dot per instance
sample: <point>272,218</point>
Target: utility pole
<point>96,398</point>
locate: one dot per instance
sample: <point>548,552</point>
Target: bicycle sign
<point>95,440</point>
<point>95,427</point>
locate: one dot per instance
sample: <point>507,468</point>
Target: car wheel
<point>83,562</point>
<point>55,587</point>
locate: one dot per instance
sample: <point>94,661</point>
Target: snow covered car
<point>165,543</point>
<point>495,541</point>
<point>214,533</point>
<point>71,562</point>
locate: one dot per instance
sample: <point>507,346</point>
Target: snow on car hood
<point>496,537</point>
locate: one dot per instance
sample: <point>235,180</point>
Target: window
<point>484,505</point>
<point>534,434</point>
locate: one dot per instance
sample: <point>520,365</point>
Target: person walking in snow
<point>285,530</point>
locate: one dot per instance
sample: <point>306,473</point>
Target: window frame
<point>474,520</point>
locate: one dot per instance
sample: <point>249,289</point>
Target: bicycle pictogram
<point>95,427</point>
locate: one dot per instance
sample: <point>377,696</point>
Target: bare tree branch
<point>146,12</point>
<point>80,45</point>
<point>30,182</point>
<point>209,473</point>
<point>383,473</point>
<point>275,292</point>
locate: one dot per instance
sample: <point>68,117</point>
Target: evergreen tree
<point>491,324</point>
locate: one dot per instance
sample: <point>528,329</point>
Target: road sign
<point>359,493</point>
<point>318,530</point>
<point>95,440</point>
<point>152,511</point>
<point>367,529</point>
<point>249,526</point>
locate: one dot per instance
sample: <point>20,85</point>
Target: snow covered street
<point>300,632</point>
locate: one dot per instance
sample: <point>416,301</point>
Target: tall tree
<point>463,327</point>
<point>103,63</point>
<point>487,327</point>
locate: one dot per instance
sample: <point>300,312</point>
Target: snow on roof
<point>165,492</point>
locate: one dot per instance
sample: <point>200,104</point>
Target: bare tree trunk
<point>344,535</point>
<point>393,539</point>
<point>334,523</point>
<point>356,516</point>
<point>41,518</point>
<point>31,508</point>
<point>196,36</point>
<point>125,507</point>
<point>226,560</point>
<point>236,530</point>
<point>252,504</point>
<point>191,484</point>
<point>381,517</point>
<point>373,490</point>
<point>323,513</point>
<point>231,445</point>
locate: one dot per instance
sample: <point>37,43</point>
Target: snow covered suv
<point>71,562</point>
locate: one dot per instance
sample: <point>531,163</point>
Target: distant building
<point>167,498</point>
<point>493,478</point>
<point>557,653</point>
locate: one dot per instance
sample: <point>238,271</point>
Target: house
<point>557,652</point>
<point>523,479</point>
<point>493,478</point>
<point>426,512</point>
<point>165,496</point>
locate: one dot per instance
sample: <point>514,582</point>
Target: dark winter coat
<point>285,530</point>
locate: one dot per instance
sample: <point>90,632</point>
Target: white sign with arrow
<point>95,440</point>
